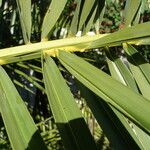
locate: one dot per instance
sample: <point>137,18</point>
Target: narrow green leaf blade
<point>90,21</point>
<point>120,72</point>
<point>109,89</point>
<point>94,15</point>
<point>0,3</point>
<point>87,7</point>
<point>67,115</point>
<point>140,69</point>
<point>24,7</point>
<point>142,82</point>
<point>99,16</point>
<point>131,10</point>
<point>138,60</point>
<point>53,13</point>
<point>20,127</point>
<point>74,23</point>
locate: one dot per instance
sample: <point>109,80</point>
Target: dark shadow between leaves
<point>136,59</point>
<point>36,142</point>
<point>76,135</point>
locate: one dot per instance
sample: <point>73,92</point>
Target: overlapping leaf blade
<point>120,72</point>
<point>108,121</point>
<point>20,127</point>
<point>140,69</point>
<point>138,60</point>
<point>113,92</point>
<point>67,115</point>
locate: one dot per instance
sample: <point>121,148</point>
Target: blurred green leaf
<point>0,3</point>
